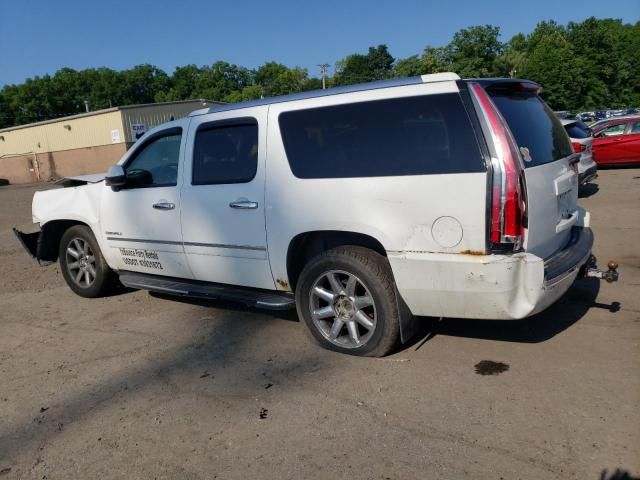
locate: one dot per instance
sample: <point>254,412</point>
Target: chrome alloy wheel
<point>342,309</point>
<point>81,262</point>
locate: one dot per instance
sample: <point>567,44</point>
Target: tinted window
<point>156,163</point>
<point>533,125</point>
<point>405,136</point>
<point>635,127</point>
<point>574,131</point>
<point>225,154</point>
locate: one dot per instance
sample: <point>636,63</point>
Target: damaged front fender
<point>43,245</point>
<point>33,244</point>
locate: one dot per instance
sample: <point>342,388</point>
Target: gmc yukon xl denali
<point>362,206</point>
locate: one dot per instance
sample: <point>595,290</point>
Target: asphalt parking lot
<point>142,386</point>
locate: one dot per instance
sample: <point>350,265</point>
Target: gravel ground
<point>142,386</point>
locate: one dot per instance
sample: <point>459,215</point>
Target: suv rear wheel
<point>347,298</point>
<point>83,266</point>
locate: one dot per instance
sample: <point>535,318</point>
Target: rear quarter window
<point>404,136</point>
<point>533,125</point>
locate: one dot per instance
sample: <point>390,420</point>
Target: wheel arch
<point>50,236</point>
<point>307,245</point>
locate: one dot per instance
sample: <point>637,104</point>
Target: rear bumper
<point>568,260</point>
<point>488,286</point>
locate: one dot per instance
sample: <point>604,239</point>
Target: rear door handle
<point>244,205</point>
<point>164,205</point>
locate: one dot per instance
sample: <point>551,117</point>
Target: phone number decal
<point>142,258</point>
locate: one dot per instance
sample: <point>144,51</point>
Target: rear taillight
<point>577,147</point>
<point>507,200</point>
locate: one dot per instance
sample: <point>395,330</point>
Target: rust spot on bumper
<point>472,252</point>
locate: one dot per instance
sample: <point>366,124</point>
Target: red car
<point>617,142</point>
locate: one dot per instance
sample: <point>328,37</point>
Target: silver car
<point>582,141</point>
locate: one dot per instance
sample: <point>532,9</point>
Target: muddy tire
<point>83,266</point>
<point>346,296</point>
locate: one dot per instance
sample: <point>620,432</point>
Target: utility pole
<point>324,67</point>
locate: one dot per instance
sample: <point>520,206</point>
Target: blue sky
<point>40,36</point>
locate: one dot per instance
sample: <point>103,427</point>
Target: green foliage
<point>408,67</point>
<point>553,64</point>
<point>377,64</point>
<point>473,51</point>
<point>583,65</point>
<point>436,60</point>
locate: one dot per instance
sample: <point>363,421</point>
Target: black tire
<point>375,278</point>
<point>103,280</point>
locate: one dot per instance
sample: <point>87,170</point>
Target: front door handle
<point>164,205</point>
<point>244,205</point>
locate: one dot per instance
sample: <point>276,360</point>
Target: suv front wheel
<point>83,266</point>
<point>346,297</point>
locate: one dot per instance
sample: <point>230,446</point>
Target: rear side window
<point>225,153</point>
<point>535,128</point>
<point>574,131</point>
<point>635,127</point>
<point>405,136</point>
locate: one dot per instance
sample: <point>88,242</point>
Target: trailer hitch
<point>591,270</point>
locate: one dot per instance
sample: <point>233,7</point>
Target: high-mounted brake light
<point>507,200</point>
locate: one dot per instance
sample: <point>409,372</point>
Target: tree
<point>377,64</point>
<point>583,65</point>
<point>513,57</point>
<point>183,84</point>
<point>436,60</point>
<point>553,64</point>
<point>473,51</point>
<point>142,83</point>
<point>408,67</point>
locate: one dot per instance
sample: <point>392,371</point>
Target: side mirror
<point>116,177</point>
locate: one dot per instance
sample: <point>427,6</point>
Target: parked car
<point>587,116</point>
<point>364,206</point>
<point>617,142</point>
<point>581,140</point>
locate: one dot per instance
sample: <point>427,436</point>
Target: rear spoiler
<point>511,84</point>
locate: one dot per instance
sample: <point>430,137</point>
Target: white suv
<point>365,206</point>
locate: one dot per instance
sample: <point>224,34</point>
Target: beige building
<point>79,144</point>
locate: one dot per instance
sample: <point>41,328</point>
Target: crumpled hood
<point>92,178</point>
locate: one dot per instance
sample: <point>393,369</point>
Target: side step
<point>266,299</point>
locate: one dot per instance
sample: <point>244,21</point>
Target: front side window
<point>225,153</point>
<point>635,127</point>
<point>156,163</point>
<point>613,130</point>
<point>420,135</point>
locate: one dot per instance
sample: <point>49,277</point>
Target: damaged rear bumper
<point>32,243</point>
<point>488,286</point>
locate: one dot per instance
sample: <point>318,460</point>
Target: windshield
<point>574,131</point>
